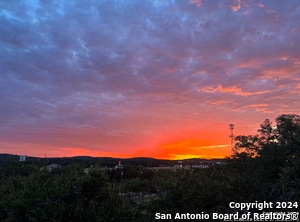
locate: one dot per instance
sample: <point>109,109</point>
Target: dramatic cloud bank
<point>143,78</point>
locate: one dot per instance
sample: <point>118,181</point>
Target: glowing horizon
<point>160,79</point>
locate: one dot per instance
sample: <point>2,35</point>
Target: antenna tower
<point>231,127</point>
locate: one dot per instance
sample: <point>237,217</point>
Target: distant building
<point>22,158</point>
<point>160,168</point>
<point>50,167</point>
<point>119,166</point>
<point>201,166</point>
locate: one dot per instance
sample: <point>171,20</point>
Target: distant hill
<point>104,161</point>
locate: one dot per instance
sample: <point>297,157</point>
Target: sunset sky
<point>152,78</point>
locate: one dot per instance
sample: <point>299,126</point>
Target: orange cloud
<point>218,151</point>
<point>260,5</point>
<point>198,3</point>
<point>193,148</point>
<point>235,90</point>
<point>258,107</point>
<point>237,6</point>
<point>285,71</point>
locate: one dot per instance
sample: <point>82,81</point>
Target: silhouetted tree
<point>271,158</point>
